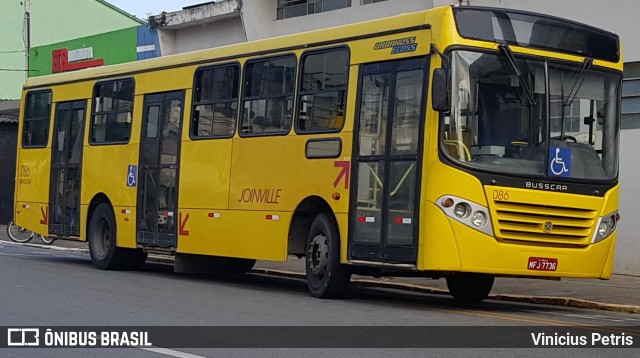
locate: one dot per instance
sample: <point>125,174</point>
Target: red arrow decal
<point>45,215</point>
<point>344,173</point>
<point>181,230</point>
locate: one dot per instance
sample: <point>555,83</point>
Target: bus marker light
<point>126,211</point>
<point>214,215</point>
<point>335,196</point>
<point>447,203</point>
<point>402,221</point>
<point>25,206</point>
<point>273,217</point>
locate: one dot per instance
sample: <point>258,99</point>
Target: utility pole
<point>27,33</point>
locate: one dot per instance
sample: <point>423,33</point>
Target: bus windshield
<point>499,123</point>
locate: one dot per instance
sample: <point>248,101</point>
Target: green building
<point>51,22</point>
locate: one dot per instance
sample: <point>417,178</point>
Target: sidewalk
<point>621,293</point>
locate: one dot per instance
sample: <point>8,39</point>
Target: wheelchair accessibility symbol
<point>132,175</point>
<point>560,162</point>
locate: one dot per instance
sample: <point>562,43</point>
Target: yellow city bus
<point>461,143</point>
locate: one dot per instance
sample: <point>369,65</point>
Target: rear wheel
<point>102,240</point>
<point>326,277</point>
<point>18,233</point>
<point>470,287</point>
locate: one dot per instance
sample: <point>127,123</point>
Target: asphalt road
<point>53,288</point>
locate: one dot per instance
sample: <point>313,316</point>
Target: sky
<point>143,8</point>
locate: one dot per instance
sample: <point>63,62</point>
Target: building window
<point>35,129</point>
<point>365,2</point>
<point>215,102</point>
<point>112,110</point>
<point>268,95</point>
<point>323,86</point>
<point>571,116</point>
<point>294,8</point>
<point>630,117</point>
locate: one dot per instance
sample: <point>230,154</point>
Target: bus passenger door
<point>66,167</point>
<point>158,169</point>
<point>383,221</point>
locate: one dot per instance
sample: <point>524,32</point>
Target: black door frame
<point>382,251</point>
<point>153,238</point>
<point>70,227</point>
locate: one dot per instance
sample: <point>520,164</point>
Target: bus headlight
<point>462,210</point>
<point>479,219</point>
<point>467,212</point>
<point>606,227</point>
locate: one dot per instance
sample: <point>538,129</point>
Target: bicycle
<point>22,235</point>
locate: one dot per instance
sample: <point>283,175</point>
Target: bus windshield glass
<point>499,123</point>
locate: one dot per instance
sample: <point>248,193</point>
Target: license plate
<point>542,264</point>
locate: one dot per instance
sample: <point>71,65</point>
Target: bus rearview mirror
<point>440,90</point>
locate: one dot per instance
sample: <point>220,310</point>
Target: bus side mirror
<point>440,90</point>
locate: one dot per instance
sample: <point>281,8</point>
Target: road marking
<point>172,353</point>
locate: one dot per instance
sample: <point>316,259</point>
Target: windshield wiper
<point>586,66</point>
<point>526,87</point>
<point>568,101</point>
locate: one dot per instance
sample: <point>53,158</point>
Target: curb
<point>542,300</point>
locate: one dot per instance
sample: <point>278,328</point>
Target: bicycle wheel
<point>18,233</point>
<point>47,240</point>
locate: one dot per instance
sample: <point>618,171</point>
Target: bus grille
<point>544,223</point>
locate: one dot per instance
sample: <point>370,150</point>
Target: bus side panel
<point>105,170</point>
<point>32,181</point>
<point>205,166</point>
<point>244,234</point>
<point>32,189</point>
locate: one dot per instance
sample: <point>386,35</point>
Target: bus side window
<point>112,112</point>
<point>215,101</point>
<point>322,90</point>
<point>267,102</point>
<point>35,131</point>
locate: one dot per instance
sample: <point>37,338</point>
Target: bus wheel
<point>235,266</point>
<point>102,240</point>
<point>470,287</point>
<point>326,277</point>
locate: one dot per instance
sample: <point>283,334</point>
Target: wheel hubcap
<point>104,236</point>
<point>318,255</point>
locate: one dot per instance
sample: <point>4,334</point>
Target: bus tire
<point>470,287</point>
<point>326,276</point>
<point>102,240</point>
<point>236,266</point>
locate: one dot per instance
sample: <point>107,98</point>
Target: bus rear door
<point>66,165</point>
<point>159,167</point>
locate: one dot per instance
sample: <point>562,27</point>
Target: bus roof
<point>315,38</point>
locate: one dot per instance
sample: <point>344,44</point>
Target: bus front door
<point>66,165</point>
<point>158,169</point>
<point>383,222</point>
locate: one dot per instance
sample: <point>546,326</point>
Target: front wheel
<point>470,287</point>
<point>18,233</point>
<point>326,276</point>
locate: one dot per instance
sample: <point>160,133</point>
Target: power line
<point>16,70</point>
<point>17,51</point>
